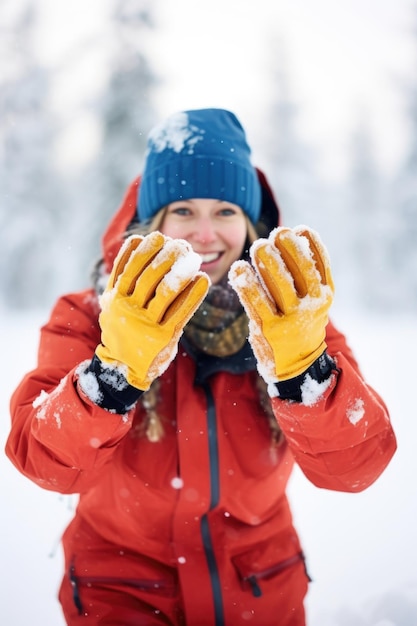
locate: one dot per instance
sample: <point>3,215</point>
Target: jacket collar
<point>207,365</point>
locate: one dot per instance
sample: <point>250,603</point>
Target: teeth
<point>208,258</point>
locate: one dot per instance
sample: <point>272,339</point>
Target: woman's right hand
<point>153,290</point>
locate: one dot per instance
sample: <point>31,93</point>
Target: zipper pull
<point>75,590</point>
<point>256,590</point>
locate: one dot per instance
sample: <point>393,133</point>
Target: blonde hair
<point>148,226</point>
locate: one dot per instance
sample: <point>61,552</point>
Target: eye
<point>229,210</point>
<point>180,210</point>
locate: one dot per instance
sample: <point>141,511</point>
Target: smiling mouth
<point>210,257</point>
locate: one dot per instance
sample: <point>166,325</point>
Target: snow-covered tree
<point>125,110</point>
<point>29,208</point>
<point>290,158</point>
<point>403,248</point>
<point>368,223</point>
<point>302,194</point>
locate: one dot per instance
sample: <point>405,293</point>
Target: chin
<point>217,278</point>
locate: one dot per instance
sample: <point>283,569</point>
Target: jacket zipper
<point>254,577</point>
<point>214,500</point>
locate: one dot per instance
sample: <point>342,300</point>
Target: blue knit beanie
<point>199,154</point>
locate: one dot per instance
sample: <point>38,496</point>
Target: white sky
<point>343,56</point>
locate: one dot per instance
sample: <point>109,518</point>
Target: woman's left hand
<point>286,293</point>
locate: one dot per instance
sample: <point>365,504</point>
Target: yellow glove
<point>154,289</point>
<point>286,295</point>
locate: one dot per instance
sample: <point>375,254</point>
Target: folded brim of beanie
<point>200,177</point>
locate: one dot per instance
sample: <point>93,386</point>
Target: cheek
<point>171,230</point>
<point>236,240</point>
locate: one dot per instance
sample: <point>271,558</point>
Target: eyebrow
<point>191,201</point>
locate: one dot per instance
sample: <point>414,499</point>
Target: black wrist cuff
<point>319,371</point>
<point>114,392</point>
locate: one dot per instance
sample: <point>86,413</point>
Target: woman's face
<point>215,229</point>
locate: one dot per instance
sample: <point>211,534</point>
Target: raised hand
<point>286,293</point>
<point>154,289</point>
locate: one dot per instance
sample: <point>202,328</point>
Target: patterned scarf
<point>220,326</point>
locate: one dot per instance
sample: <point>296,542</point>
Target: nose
<point>205,231</point>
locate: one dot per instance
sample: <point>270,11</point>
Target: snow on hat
<point>199,154</point>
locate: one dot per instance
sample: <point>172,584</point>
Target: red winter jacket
<point>194,529</point>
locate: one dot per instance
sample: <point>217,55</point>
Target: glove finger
<point>140,258</point>
<point>275,275</point>
<point>168,273</point>
<point>128,247</point>
<point>320,254</point>
<point>183,307</point>
<point>247,284</point>
<point>297,255</point>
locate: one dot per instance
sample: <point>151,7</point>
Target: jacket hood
<point>115,233</point>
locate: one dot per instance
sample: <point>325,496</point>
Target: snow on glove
<point>286,294</point>
<point>154,289</point>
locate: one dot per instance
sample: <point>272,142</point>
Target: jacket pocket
<point>147,585</point>
<point>261,564</point>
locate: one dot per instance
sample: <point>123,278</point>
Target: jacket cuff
<point>107,387</point>
<point>319,371</point>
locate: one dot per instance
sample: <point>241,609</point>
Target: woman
<point>176,402</point>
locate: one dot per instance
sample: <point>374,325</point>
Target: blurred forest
<point>51,219</point>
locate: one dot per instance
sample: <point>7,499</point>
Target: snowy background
<point>327,92</point>
<point>361,548</point>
